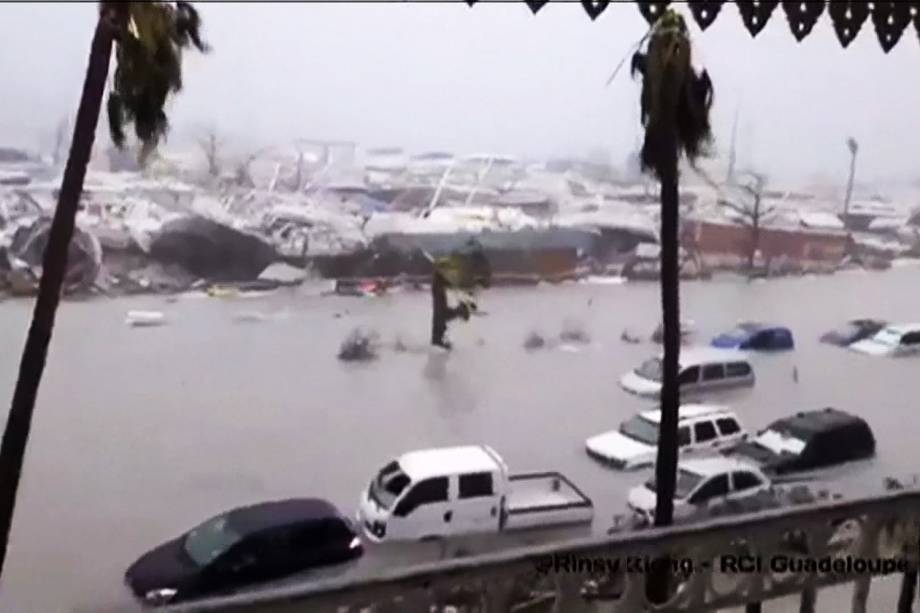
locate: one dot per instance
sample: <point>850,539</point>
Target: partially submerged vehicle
<point>700,428</point>
<point>702,369</point>
<point>748,336</point>
<point>243,546</point>
<point>701,483</point>
<point>139,319</point>
<point>453,491</point>
<point>853,331</point>
<point>893,341</point>
<point>808,441</point>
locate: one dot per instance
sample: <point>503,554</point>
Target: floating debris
<point>359,346</point>
<point>602,280</point>
<point>687,329</point>
<point>142,319</point>
<point>534,341</point>
<point>250,317</point>
<point>574,332</point>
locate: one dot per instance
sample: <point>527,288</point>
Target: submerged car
<point>700,428</point>
<point>701,483</point>
<point>894,341</point>
<point>808,441</point>
<point>244,546</point>
<point>702,369</point>
<point>853,331</point>
<point>755,336</point>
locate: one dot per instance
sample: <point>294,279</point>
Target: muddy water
<point>141,433</point>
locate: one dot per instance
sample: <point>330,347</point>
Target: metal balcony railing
<point>862,531</point>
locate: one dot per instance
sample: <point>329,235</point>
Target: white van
<point>700,428</point>
<point>900,340</point>
<point>464,490</point>
<point>702,369</point>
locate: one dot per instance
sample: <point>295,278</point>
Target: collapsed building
<point>385,214</point>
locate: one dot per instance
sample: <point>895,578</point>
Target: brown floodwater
<point>141,433</point>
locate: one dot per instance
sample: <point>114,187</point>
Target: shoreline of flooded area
<point>141,433</point>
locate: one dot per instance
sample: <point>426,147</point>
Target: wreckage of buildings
<point>384,214</point>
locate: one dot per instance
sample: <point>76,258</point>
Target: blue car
<point>755,336</point>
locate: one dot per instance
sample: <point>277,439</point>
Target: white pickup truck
<point>454,491</point>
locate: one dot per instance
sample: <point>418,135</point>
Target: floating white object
<point>145,318</point>
<point>602,280</point>
<point>248,317</point>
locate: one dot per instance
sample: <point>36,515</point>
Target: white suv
<point>701,483</point>
<point>700,428</point>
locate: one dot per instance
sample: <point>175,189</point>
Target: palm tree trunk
<point>666,468</point>
<point>846,203</point>
<point>54,265</point>
<point>666,465</point>
<point>439,309</point>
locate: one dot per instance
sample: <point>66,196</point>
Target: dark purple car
<point>244,546</point>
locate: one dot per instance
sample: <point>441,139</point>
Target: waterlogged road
<point>142,433</point>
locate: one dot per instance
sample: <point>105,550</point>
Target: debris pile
<point>360,345</point>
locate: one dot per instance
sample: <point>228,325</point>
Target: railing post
<point>809,597</point>
<point>908,589</point>
<point>498,594</point>
<point>861,593</point>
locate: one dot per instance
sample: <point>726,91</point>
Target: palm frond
<point>675,99</point>
<point>466,268</point>
<point>148,70</point>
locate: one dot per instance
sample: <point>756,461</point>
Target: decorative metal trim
<point>652,10</point>
<point>890,18</point>
<point>705,11</point>
<point>594,7</point>
<point>802,17</point>
<point>756,13</point>
<point>848,18</point>
<point>535,5</point>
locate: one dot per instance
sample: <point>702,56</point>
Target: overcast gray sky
<point>493,78</point>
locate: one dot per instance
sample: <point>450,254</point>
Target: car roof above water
<point>707,467</point>
<point>806,424</point>
<point>902,328</point>
<point>442,461</point>
<point>697,356</point>
<point>265,515</point>
<point>690,411</point>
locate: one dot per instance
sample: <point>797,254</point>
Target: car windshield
<point>388,485</point>
<point>210,540</point>
<point>848,330</point>
<point>650,369</point>
<point>887,337</point>
<point>686,483</point>
<point>640,429</point>
<point>780,442</point>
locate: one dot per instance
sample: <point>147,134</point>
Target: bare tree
<point>751,210</point>
<point>211,145</point>
<point>853,146</point>
<point>242,171</point>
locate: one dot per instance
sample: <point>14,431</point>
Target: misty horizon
<point>493,77</point>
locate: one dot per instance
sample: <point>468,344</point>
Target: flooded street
<point>141,433</point>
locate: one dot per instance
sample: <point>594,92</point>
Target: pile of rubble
<point>385,217</point>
